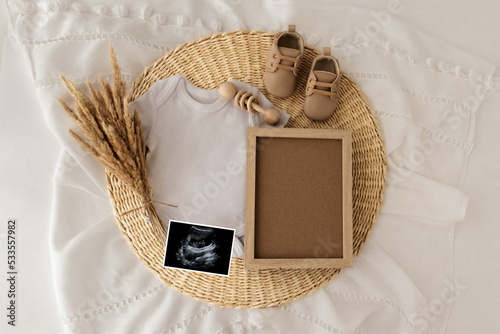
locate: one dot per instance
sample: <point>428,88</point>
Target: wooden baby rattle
<point>248,101</point>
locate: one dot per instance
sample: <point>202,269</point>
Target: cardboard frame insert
<point>298,211</point>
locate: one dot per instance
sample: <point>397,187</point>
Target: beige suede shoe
<point>322,88</point>
<point>283,61</point>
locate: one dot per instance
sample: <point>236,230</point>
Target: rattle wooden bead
<point>271,116</point>
<point>248,101</point>
<point>227,90</point>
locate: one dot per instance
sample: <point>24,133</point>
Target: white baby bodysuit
<point>197,157</point>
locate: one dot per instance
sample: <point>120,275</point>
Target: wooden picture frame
<point>298,211</point>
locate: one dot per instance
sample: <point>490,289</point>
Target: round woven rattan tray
<point>241,55</point>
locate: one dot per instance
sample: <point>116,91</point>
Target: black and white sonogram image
<point>199,247</point>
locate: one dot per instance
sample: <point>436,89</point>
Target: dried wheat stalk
<point>113,134</point>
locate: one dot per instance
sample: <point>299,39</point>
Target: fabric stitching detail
<point>385,114</point>
<point>437,136</point>
<point>440,137</point>
<point>243,326</point>
<point>90,37</point>
<point>189,321</point>
<point>53,81</point>
<point>429,63</point>
<point>374,299</point>
<point>416,95</point>
<point>371,75</point>
<point>312,319</point>
<point>97,312</point>
<point>385,46</point>
<point>438,100</point>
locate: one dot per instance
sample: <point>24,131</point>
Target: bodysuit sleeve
<point>147,105</point>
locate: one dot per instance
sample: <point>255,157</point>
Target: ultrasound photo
<point>198,247</point>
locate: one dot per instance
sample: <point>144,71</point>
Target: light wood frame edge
<point>250,261</point>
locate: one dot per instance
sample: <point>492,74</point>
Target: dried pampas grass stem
<point>113,134</point>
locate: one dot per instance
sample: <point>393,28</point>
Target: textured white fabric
<point>197,157</point>
<point>425,94</point>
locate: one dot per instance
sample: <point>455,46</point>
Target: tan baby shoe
<point>283,61</point>
<point>322,88</point>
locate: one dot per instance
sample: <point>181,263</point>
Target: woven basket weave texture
<point>241,55</point>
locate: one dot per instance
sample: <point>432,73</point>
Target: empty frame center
<point>298,198</point>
